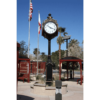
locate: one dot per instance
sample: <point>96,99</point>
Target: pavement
<point>75,91</point>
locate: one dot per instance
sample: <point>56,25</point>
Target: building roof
<point>71,58</point>
<point>23,57</point>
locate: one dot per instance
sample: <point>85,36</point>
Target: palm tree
<point>42,55</point>
<point>60,39</point>
<point>65,33</point>
<point>61,30</point>
<point>35,52</point>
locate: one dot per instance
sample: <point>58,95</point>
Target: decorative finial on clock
<point>49,16</point>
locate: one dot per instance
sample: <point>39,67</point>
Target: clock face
<point>50,27</point>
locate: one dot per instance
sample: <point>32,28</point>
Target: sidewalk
<point>75,92</point>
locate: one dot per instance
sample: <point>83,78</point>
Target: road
<point>75,72</point>
<point>56,71</point>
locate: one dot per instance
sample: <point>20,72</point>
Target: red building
<point>41,67</point>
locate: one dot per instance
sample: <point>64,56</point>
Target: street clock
<point>49,28</point>
<point>49,31</point>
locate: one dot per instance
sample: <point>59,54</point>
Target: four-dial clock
<point>50,27</point>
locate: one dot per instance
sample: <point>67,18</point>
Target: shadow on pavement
<point>74,80</point>
<point>22,97</point>
<point>24,80</point>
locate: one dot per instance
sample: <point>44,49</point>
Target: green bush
<point>42,80</point>
<point>53,84</point>
<point>38,77</point>
<point>62,78</point>
<point>56,77</point>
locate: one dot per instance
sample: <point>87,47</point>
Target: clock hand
<point>50,27</point>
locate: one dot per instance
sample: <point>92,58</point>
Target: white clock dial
<point>50,27</point>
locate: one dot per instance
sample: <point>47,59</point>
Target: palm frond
<point>65,33</point>
<point>61,30</point>
<point>60,40</point>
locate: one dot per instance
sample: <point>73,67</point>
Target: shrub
<point>62,78</point>
<point>56,77</point>
<point>38,77</point>
<point>53,84</point>
<point>42,80</point>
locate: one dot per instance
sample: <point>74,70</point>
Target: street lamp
<point>66,38</point>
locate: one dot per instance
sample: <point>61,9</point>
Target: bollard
<point>58,95</point>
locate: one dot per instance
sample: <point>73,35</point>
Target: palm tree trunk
<point>59,49</point>
<point>60,34</point>
<point>59,52</point>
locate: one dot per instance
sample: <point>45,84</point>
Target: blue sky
<point>68,13</point>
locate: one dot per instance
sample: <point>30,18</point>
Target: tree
<point>43,57</point>
<point>35,52</point>
<point>23,49</point>
<point>55,57</point>
<point>39,57</point>
<point>81,55</point>
<point>65,54</point>
<point>74,48</point>
<point>60,39</point>
<point>61,30</point>
<point>65,33</point>
<point>73,42</point>
<point>31,57</point>
<point>82,44</point>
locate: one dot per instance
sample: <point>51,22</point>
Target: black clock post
<point>49,31</point>
<point>49,65</point>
